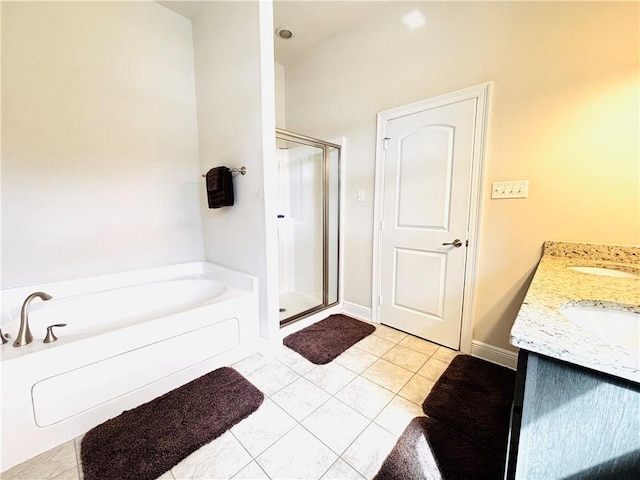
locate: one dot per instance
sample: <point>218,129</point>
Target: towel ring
<point>242,171</point>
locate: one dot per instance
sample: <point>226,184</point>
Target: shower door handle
<point>456,243</point>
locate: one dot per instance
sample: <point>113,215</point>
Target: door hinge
<point>385,143</point>
<point>381,225</point>
<point>379,300</point>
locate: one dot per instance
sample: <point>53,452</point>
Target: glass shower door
<point>300,226</point>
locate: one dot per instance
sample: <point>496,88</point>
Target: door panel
<point>418,282</point>
<point>427,176</point>
<point>425,162</point>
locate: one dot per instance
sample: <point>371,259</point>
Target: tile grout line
<point>272,443</point>
<point>333,395</point>
<point>371,421</point>
<point>253,459</point>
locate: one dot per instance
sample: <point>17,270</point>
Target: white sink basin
<point>606,272</point>
<point>611,325</point>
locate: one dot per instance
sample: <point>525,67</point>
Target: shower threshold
<point>292,304</point>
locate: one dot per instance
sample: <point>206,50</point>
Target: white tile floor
<point>334,421</point>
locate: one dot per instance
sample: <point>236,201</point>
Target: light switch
<point>360,197</point>
<point>513,189</point>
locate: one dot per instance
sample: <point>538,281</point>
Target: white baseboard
<point>494,354</point>
<point>356,311</point>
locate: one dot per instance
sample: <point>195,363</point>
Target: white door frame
<point>481,94</point>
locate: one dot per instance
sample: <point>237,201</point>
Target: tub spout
<point>24,335</point>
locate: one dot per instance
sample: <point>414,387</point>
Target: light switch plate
<point>512,189</point>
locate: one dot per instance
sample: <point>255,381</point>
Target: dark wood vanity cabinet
<point>570,422</point>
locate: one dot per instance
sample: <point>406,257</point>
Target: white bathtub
<point>129,338</point>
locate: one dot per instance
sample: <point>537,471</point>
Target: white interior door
<point>428,159</point>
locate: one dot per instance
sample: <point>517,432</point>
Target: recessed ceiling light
<point>284,33</point>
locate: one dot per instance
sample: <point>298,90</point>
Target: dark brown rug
<point>429,450</point>
<point>145,442</point>
<point>465,434</point>
<point>474,397</point>
<point>325,340</point>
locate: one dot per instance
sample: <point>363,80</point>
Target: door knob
<point>456,243</point>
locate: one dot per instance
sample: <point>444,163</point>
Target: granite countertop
<point>541,326</point>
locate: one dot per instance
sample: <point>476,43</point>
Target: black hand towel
<point>219,187</point>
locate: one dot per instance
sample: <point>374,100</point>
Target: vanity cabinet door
<point>577,423</point>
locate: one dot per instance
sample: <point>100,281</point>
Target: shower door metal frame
<point>325,146</point>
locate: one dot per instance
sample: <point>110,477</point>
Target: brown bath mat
<point>466,431</point>
<point>325,340</point>
<point>145,442</point>
<point>429,449</point>
<point>474,397</point>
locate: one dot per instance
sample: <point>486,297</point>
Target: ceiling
<point>312,22</point>
<point>187,9</point>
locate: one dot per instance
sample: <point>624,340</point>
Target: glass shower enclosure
<point>308,224</point>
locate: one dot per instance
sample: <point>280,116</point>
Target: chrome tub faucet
<point>24,335</point>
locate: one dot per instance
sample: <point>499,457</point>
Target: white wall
<point>99,140</point>
<point>280,95</point>
<point>229,72</point>
<point>564,114</point>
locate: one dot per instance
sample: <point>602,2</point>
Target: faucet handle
<point>4,337</point>
<point>50,337</point>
